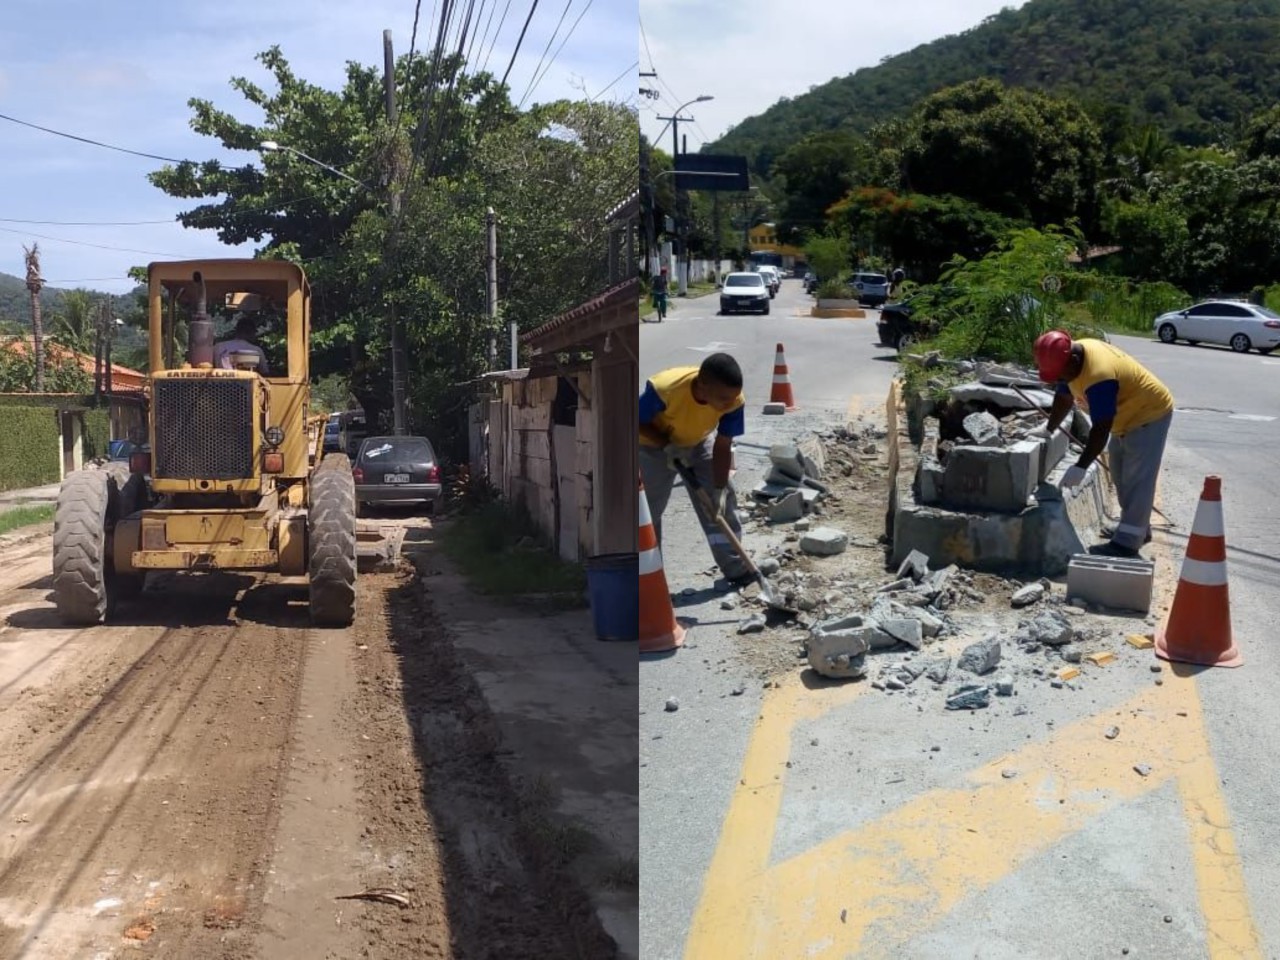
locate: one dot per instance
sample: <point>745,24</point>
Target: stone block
<point>837,657</point>
<point>980,657</point>
<point>1115,582</point>
<point>824,542</point>
<point>983,429</point>
<point>786,460</point>
<point>813,457</point>
<point>991,478</point>
<point>774,409</point>
<point>788,509</point>
<point>905,630</point>
<point>1005,398</point>
<point>915,566</point>
<point>1027,595</point>
<point>1052,451</point>
<point>929,479</point>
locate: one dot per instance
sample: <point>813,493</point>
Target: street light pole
<point>682,271</point>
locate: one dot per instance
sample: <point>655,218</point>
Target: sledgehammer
<point>771,595</point>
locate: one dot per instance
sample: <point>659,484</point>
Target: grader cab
<point>232,478</point>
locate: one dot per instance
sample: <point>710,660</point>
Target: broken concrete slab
<point>937,670</point>
<point>754,624</point>
<point>905,630</point>
<point>969,697</point>
<point>788,509</point>
<point>1004,686</point>
<point>824,542</point>
<point>980,657</point>
<point>983,429</point>
<point>1051,629</point>
<point>1004,397</point>
<point>786,458</point>
<point>916,565</point>
<point>813,456</point>
<point>835,656</point>
<point>1027,595</point>
<point>772,491</point>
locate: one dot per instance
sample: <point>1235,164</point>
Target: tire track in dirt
<point>139,787</point>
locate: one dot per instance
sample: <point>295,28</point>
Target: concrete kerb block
<point>991,478</point>
<point>1115,582</point>
<point>774,409</point>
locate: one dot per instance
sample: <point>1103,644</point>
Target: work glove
<point>1075,476</point>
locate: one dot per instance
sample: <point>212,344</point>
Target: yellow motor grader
<point>232,478</point>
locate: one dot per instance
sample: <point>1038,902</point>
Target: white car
<point>772,278</point>
<point>744,291</point>
<point>1240,325</point>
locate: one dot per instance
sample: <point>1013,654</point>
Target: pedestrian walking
<point>690,415</point>
<point>659,290</point>
<point>1130,411</point>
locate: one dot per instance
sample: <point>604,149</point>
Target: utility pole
<point>681,271</point>
<point>389,259</point>
<point>100,333</point>
<point>491,274</point>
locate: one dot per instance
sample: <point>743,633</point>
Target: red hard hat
<point>1053,353</point>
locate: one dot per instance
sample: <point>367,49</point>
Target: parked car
<point>333,434</point>
<point>396,470</point>
<point>873,288</point>
<point>772,278</point>
<point>744,291</point>
<point>1235,323</point>
<point>899,327</point>
<point>120,450</point>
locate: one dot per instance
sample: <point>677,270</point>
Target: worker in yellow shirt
<point>691,415</point>
<point>1130,411</point>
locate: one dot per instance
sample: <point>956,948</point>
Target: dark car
<point>332,436</point>
<point>898,327</point>
<point>397,470</point>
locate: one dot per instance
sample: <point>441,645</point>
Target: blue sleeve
<point>650,403</point>
<point>733,423</point>
<point>1102,399</point>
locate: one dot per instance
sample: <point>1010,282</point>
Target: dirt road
<point>207,776</point>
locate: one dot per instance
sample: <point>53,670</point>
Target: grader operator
<point>227,482</point>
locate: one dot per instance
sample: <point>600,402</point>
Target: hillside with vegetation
<point>1192,69</point>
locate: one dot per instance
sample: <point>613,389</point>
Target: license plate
<point>395,478</point>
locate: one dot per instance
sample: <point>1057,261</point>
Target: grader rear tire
<point>85,586</point>
<point>331,529</point>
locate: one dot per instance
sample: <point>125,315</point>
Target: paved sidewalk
<point>29,496</point>
<point>565,704</point>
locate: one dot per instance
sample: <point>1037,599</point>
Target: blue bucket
<point>613,584</point>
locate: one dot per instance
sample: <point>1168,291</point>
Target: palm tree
<point>75,323</point>
<point>34,283</point>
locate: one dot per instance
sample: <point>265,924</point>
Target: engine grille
<point>204,429</point>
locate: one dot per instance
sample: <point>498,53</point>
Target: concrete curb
<point>1040,539</point>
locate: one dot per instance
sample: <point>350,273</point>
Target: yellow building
<point>764,236</point>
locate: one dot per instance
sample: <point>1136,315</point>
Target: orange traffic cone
<point>1198,627</point>
<point>659,630</point>
<point>781,392</point>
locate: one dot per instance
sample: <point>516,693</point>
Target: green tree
<point>815,173</point>
<point>829,256</point>
<point>1021,154</point>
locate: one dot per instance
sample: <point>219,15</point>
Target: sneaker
<point>1113,549</point>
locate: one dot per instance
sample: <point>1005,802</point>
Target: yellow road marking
<point>899,875</point>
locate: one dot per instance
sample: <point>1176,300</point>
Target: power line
<point>96,143</point>
<point>646,46</point>
<point>99,246</point>
<point>485,66</point>
<point>520,41</point>
<point>547,68</point>
<point>614,81</point>
<point>550,40</point>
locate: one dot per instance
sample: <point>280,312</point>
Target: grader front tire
<point>84,581</point>
<point>331,528</point>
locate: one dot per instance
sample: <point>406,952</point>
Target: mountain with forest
<point>15,301</point>
<point>1195,70</point>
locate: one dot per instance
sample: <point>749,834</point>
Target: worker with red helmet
<point>1130,411</point>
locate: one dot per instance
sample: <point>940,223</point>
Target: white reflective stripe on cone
<point>1205,573</point>
<point>646,518</point>
<point>650,561</point>
<point>781,378</point>
<point>1208,521</point>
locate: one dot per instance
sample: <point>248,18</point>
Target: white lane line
<point>714,347</point>
<point>1250,416</point>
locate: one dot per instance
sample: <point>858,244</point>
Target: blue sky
<point>122,71</point>
<point>748,54</point>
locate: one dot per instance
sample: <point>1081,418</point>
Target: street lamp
<point>682,271</point>
<point>272,147</point>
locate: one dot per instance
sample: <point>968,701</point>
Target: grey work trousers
<point>1135,466</point>
<point>658,481</point>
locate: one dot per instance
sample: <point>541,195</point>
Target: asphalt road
<point>758,843</point>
